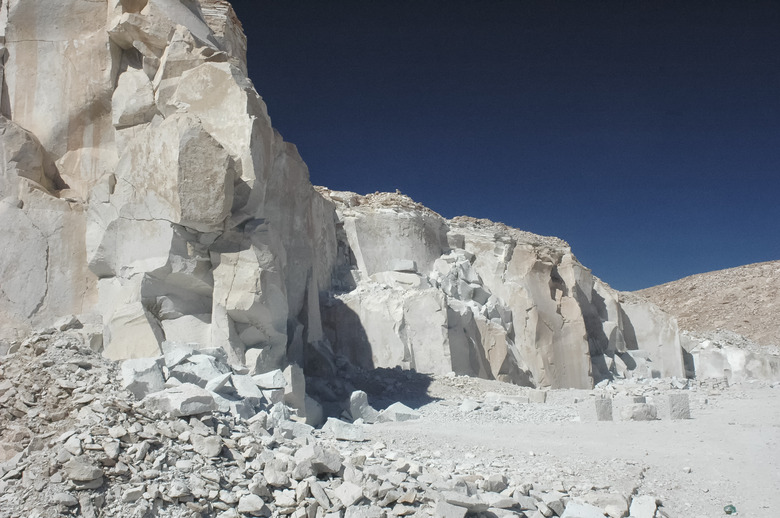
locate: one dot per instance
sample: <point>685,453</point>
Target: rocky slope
<point>729,317</point>
<point>80,436</point>
<point>745,300</point>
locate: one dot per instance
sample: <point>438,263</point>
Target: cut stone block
<point>537,396</point>
<point>679,406</point>
<point>603,409</point>
<point>639,412</point>
<point>596,410</point>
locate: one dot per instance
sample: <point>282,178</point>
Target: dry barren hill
<point>745,300</point>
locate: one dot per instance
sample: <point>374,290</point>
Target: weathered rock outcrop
<point>155,200</point>
<point>140,169</point>
<point>482,299</point>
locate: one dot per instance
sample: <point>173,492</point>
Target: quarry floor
<point>727,453</point>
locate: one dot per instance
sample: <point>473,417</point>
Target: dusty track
<point>730,446</point>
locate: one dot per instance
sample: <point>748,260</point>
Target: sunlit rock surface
<point>144,189</point>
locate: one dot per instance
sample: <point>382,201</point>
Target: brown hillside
<point>745,299</point>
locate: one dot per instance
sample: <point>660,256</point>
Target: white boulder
<point>143,376</point>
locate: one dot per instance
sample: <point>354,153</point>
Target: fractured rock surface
<point>158,204</point>
<point>479,298</point>
<point>74,438</point>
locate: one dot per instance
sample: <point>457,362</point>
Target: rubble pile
<point>76,441</point>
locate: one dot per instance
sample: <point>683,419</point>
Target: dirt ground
<point>727,453</point>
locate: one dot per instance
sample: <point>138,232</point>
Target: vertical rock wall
<point>141,169</point>
<point>152,197</point>
<point>482,299</point>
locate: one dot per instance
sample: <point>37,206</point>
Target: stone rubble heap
<point>75,444</point>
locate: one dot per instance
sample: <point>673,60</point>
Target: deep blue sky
<point>646,133</point>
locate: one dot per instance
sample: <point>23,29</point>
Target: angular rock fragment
<point>208,446</point>
<point>183,400</point>
<point>495,483</point>
<point>65,499</point>
<point>218,384</point>
<point>397,412</point>
<point>576,509</point>
<point>270,380</point>
<point>344,431</point>
<point>275,473</point>
<point>468,406</point>
<point>247,389</point>
<point>498,501</point>
<point>253,505</point>
<point>445,509</point>
<point>322,460</point>
<point>360,409</point>
<point>142,376</point>
<point>614,504</point>
<point>199,369</point>
<point>643,506</point>
<point>348,493</point>
<point>82,469</point>
<point>364,511</point>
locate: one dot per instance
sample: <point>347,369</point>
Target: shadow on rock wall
<point>344,363</point>
<point>386,386</point>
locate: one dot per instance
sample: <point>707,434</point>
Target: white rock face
<point>59,75</point>
<point>725,354</point>
<point>139,167</point>
<point>142,173</point>
<point>482,299</point>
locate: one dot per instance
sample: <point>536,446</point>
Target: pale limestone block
<point>131,332</point>
<point>133,99</point>
<point>143,376</point>
<point>679,406</point>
